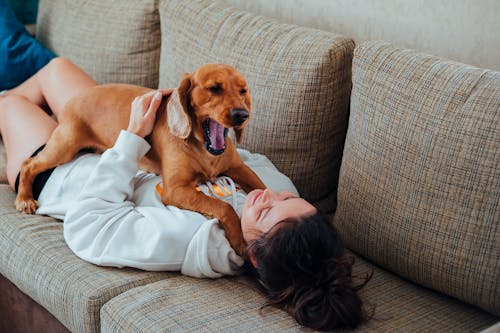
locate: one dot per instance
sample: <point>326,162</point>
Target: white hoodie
<point>113,214</point>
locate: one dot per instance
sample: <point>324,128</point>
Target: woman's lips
<point>256,197</point>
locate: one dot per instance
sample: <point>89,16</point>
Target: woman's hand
<point>143,112</point>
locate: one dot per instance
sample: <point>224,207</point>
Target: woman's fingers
<point>154,103</point>
<point>143,111</point>
<point>166,92</point>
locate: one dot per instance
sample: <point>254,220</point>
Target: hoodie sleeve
<point>105,227</point>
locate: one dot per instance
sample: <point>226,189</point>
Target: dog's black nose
<point>239,116</point>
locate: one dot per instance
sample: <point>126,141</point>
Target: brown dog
<point>188,141</point>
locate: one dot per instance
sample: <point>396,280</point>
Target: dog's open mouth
<point>215,136</point>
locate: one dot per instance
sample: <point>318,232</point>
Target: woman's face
<point>264,208</point>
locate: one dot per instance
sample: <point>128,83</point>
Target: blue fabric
<point>21,55</point>
<point>25,10</point>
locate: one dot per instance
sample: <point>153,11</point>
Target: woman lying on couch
<point>113,215</point>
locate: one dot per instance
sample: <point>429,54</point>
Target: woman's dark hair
<point>303,268</point>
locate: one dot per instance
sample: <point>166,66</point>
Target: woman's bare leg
<point>54,85</point>
<point>24,125</point>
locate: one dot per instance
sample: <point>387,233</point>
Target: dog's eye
<point>243,91</point>
<point>217,89</point>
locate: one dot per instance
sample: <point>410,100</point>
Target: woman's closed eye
<point>265,208</point>
<point>263,213</point>
<point>283,197</point>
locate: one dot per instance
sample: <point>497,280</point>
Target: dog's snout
<point>239,116</point>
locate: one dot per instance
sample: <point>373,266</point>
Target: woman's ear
<point>179,121</point>
<point>253,260</point>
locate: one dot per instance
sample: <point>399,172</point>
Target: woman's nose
<point>268,195</point>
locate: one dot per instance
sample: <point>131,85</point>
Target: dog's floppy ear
<point>179,121</point>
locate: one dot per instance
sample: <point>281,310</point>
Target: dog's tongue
<point>216,135</point>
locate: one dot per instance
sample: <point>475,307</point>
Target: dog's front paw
<point>237,243</point>
<point>27,206</point>
<point>241,249</point>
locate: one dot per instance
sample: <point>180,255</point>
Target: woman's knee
<point>11,100</point>
<point>9,103</point>
<point>61,65</point>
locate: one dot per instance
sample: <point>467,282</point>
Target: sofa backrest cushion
<point>419,187</point>
<point>299,79</point>
<point>112,43</point>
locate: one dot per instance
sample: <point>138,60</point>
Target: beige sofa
<point>400,148</point>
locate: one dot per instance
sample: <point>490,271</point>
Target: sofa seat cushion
<point>184,304</point>
<point>299,79</point>
<point>34,256</point>
<point>112,42</point>
<point>419,186</point>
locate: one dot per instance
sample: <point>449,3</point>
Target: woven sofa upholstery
<point>35,257</point>
<point>232,305</point>
<point>300,128</point>
<point>301,81</point>
<point>420,183</point>
<point>113,43</point>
